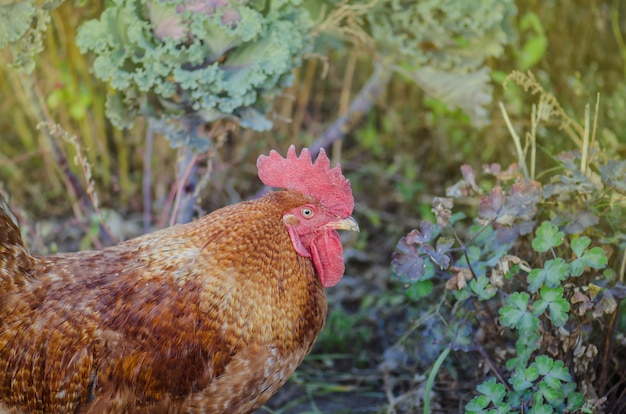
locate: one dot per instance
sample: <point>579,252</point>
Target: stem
<point>431,378</point>
<point>72,183</point>
<point>147,179</point>
<point>186,184</point>
<point>608,348</point>
<point>516,140</point>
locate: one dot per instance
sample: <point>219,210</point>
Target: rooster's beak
<point>344,224</point>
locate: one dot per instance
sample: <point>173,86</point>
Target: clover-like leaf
<point>551,275</point>
<point>557,374</point>
<point>594,257</point>
<point>439,255</point>
<point>579,245</point>
<point>552,300</point>
<point>523,199</point>
<point>492,393</point>
<point>491,205</point>
<point>477,404</point>
<point>550,394</point>
<point>493,390</point>
<point>547,237</point>
<point>614,174</point>
<point>423,235</point>
<point>482,287</point>
<point>541,409</point>
<point>407,261</point>
<point>576,223</point>
<point>515,313</point>
<point>523,379</point>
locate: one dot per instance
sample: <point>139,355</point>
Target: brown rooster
<point>207,317</point>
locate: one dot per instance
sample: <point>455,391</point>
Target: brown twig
<point>492,365</point>
<point>608,349</point>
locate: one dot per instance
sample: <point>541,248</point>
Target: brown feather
<point>211,316</point>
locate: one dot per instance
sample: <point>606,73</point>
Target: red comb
<point>326,185</point>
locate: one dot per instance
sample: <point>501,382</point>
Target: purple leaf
<point>490,205</point>
<point>407,262</point>
<point>423,235</point>
<point>439,254</point>
<point>470,177</point>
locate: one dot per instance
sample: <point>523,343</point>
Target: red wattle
<point>327,255</point>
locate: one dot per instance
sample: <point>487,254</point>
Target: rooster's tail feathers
<point>15,261</point>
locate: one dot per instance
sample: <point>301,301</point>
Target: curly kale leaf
<point>442,46</point>
<point>22,27</point>
<point>199,60</point>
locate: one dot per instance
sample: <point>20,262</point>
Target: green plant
<point>533,261</point>
<point>188,63</point>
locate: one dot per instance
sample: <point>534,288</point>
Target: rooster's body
<point>208,317</point>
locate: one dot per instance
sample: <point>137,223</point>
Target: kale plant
<point>22,26</point>
<point>443,46</point>
<point>185,63</point>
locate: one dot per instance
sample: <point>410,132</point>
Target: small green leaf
<point>477,404</point>
<point>575,401</point>
<point>544,364</point>
<point>531,373</point>
<point>580,244</point>
<point>553,272</point>
<point>549,393</point>
<point>576,267</point>
<point>541,409</point>
<point>515,313</point>
<point>419,289</point>
<point>482,288</point>
<point>553,301</point>
<point>595,258</point>
<point>492,389</point>
<point>560,372</point>
<point>547,237</point>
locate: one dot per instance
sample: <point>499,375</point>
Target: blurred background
<point>400,93</point>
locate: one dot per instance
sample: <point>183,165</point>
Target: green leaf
<point>576,267</point>
<point>419,289</point>
<point>553,272</point>
<point>553,301</point>
<point>550,394</point>
<point>580,244</point>
<point>15,19</point>
<point>575,401</point>
<point>492,389</point>
<point>477,404</point>
<point>481,287</point>
<point>595,258</point>
<point>541,409</point>
<point>522,379</point>
<point>515,313</point>
<point>544,364</point>
<point>560,371</point>
<point>547,236</point>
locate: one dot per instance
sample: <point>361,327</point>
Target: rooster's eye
<point>307,213</point>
